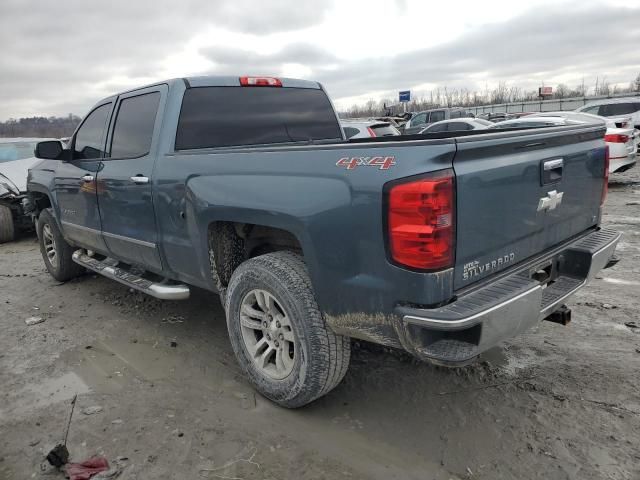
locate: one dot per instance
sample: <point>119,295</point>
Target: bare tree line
<point>502,93</point>
<point>39,127</point>
<point>57,127</point>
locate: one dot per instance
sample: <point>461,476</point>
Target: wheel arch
<point>230,243</point>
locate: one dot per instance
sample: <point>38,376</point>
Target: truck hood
<point>16,172</point>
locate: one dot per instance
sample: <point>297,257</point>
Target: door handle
<point>88,178</point>
<point>139,179</point>
<point>552,171</point>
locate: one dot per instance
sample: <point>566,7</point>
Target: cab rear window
<point>237,116</point>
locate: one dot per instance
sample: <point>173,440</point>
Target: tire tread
<point>331,352</point>
<point>7,226</point>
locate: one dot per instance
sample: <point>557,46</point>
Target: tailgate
<point>520,193</point>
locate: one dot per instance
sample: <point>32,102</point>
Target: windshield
<point>384,130</point>
<point>16,151</point>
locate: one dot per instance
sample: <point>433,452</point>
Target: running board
<point>108,267</point>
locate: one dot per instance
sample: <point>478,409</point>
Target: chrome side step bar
<point>108,267</point>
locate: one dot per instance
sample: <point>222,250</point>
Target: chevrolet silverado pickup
<point>441,244</point>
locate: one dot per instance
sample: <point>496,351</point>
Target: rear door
<point>520,194</point>
<point>75,180</point>
<point>125,180</point>
<point>437,116</point>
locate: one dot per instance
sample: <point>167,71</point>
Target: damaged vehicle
<point>442,244</point>
<point>16,157</point>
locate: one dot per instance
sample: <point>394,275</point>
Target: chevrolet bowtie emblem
<point>551,201</point>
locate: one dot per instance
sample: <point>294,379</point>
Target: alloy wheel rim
<point>267,334</point>
<point>50,245</point>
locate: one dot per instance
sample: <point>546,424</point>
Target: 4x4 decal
<point>350,163</point>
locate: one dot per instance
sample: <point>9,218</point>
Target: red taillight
<point>421,222</point>
<point>605,187</point>
<point>616,138</point>
<point>260,82</point>
<point>371,132</point>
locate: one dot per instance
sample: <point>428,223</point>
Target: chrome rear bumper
<point>480,319</point>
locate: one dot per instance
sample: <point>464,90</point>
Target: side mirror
<point>49,150</point>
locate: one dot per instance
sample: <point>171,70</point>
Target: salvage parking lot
<point>559,402</point>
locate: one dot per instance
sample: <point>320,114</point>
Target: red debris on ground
<point>87,469</point>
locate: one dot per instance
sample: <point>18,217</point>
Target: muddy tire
<point>7,227</point>
<point>56,252</point>
<point>279,335</point>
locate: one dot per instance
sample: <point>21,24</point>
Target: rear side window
<point>458,126</point>
<point>350,131</point>
<point>235,116</point>
<point>436,116</point>
<point>613,109</point>
<point>441,127</point>
<point>384,130</point>
<point>593,110</point>
<point>89,142</point>
<point>456,114</point>
<point>133,131</point>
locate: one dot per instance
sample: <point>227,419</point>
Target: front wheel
<point>278,333</point>
<point>56,252</point>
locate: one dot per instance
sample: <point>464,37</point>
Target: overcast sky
<point>58,57</point>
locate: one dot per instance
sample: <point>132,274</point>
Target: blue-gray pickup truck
<point>442,244</point>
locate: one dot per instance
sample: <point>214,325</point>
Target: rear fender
<point>298,205</point>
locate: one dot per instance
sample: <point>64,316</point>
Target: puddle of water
<point>109,367</point>
<point>47,392</point>
<point>55,390</point>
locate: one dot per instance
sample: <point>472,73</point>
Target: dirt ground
<point>556,403</point>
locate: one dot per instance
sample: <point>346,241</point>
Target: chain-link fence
<point>553,105</point>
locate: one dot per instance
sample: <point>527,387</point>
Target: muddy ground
<point>556,403</point>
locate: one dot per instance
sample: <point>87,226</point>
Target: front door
<point>126,207</point>
<point>417,123</point>
<point>75,186</point>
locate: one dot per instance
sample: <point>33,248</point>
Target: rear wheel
<point>278,333</point>
<point>7,227</point>
<point>56,252</point>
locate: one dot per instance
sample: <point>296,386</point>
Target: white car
<point>621,138</point>
<point>615,107</point>
<point>623,148</point>
<point>458,125</point>
<point>364,128</point>
<point>16,157</point>
<point>534,121</point>
<point>622,142</point>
